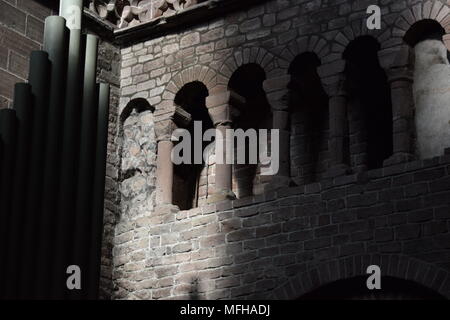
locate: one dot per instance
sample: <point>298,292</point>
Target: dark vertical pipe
<point>95,245</point>
<point>38,79</point>
<point>8,131</point>
<point>22,106</point>
<point>71,11</point>
<point>86,159</point>
<point>56,38</point>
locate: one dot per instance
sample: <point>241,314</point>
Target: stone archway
<point>355,289</point>
<point>396,266</point>
<point>433,10</point>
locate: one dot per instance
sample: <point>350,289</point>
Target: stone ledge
<point>161,26</point>
<point>324,185</point>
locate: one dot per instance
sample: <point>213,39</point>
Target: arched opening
<point>370,106</point>
<point>247,81</point>
<point>356,289</point>
<point>136,192</point>
<point>422,30</point>
<point>138,158</point>
<point>308,104</point>
<point>430,88</point>
<point>191,181</point>
<point>137,105</point>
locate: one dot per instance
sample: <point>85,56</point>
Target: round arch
<point>355,288</point>
<point>138,104</point>
<point>243,56</point>
<point>313,44</point>
<point>398,266</point>
<point>430,10</point>
<point>198,73</point>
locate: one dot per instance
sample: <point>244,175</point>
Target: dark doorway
<point>248,81</point>
<point>308,103</point>
<point>187,182</point>
<point>369,104</point>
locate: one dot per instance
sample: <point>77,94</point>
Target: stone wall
<point>108,70</point>
<point>21,31</point>
<point>283,243</point>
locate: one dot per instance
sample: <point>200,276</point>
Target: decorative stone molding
<point>277,92</point>
<point>224,107</point>
<point>165,127</point>
<point>128,13</point>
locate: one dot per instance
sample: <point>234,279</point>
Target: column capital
<point>227,97</point>
<point>404,57</point>
<point>337,88</point>
<point>224,106</point>
<point>400,74</point>
<point>277,84</point>
<point>277,92</point>
<point>169,122</point>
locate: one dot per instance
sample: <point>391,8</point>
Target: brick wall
<point>21,31</point>
<point>284,243</point>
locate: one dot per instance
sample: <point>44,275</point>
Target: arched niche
<point>430,88</point>
<point>423,30</point>
<point>308,105</point>
<point>247,81</point>
<point>369,105</point>
<point>193,182</point>
<point>138,158</point>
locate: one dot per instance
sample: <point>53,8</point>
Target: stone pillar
<point>401,79</point>
<point>164,127</point>
<point>224,172</point>
<point>164,172</point>
<point>277,94</point>
<point>338,130</point>
<point>220,107</point>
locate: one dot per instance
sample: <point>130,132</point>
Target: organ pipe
<point>23,108</point>
<point>8,137</point>
<point>98,193</point>
<point>52,179</point>
<point>71,10</point>
<point>86,159</point>
<point>56,38</point>
<point>38,79</point>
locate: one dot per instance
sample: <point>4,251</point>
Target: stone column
<point>401,80</point>
<point>277,94</point>
<point>164,173</point>
<point>338,130</point>
<point>164,128</point>
<point>220,107</point>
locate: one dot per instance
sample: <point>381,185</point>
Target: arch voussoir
<point>392,265</point>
